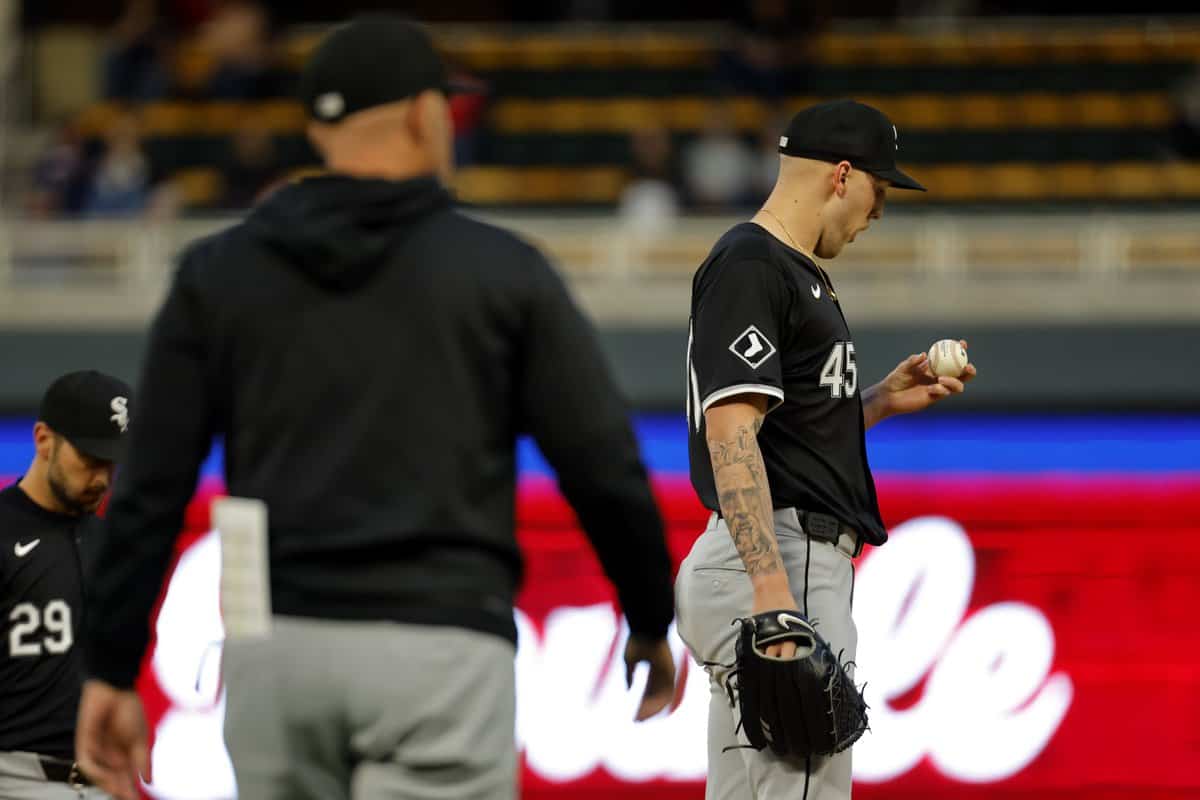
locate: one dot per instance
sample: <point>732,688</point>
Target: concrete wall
<point>1056,367</point>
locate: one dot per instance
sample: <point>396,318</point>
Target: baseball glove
<point>802,706</point>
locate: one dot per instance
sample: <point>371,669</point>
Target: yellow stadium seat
<point>482,184</point>
<point>1149,109</point>
<point>1043,110</point>
<point>1012,182</point>
<point>1103,110</point>
<point>96,120</point>
<point>1183,180</point>
<point>279,116</point>
<point>200,187</point>
<point>166,119</point>
<point>1073,181</point>
<point>950,182</point>
<point>1133,181</point>
<point>982,111</point>
<point>1002,47</point>
<point>920,111</point>
<point>1121,45</point>
<point>221,118</point>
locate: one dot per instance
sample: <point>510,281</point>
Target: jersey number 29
<point>26,619</point>
<point>840,373</point>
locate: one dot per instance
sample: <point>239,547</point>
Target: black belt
<point>828,528</point>
<point>824,528</point>
<point>61,770</point>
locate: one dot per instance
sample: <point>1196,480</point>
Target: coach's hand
<point>110,739</point>
<point>660,683</point>
<point>912,386</point>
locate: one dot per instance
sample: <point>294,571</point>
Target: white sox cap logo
<point>330,105</point>
<point>752,347</point>
<point>120,405</point>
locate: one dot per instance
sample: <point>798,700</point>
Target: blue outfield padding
<point>931,443</point>
<point>949,443</point>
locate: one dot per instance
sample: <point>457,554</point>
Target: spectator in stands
<point>239,37</point>
<point>134,68</point>
<point>1185,131</point>
<point>466,112</point>
<point>650,201</point>
<point>120,182</point>
<point>60,177</point>
<point>718,167</point>
<point>251,167</point>
<point>767,55</point>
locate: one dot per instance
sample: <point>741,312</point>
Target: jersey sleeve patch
<point>753,347</point>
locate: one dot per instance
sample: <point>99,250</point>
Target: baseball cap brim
<point>898,178</point>
<point>102,449</point>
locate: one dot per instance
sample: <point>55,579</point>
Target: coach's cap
<point>91,411</point>
<point>845,130</point>
<point>370,61</point>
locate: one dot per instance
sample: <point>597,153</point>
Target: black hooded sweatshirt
<point>370,355</point>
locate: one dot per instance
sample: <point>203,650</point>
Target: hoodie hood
<point>339,230</point>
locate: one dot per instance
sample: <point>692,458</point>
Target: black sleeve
<point>737,319</point>
<point>571,405</point>
<point>170,435</point>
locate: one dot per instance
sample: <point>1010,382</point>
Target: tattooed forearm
<point>745,499</point>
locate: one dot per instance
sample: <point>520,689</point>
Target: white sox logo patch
<point>120,405</point>
<point>752,347</point>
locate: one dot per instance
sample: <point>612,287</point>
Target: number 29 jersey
<point>41,608</point>
<point>764,320</point>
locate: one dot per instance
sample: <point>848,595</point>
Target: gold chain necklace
<point>787,233</point>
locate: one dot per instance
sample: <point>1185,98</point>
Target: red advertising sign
<point>1020,636</point>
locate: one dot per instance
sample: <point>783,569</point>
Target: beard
<point>76,504</point>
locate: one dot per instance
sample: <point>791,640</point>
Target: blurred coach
<point>370,355</point>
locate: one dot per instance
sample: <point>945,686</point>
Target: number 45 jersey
<point>766,321</point>
<point>41,608</point>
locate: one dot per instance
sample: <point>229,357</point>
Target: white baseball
<point>947,358</point>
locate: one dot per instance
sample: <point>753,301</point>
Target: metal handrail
<point>118,269</point>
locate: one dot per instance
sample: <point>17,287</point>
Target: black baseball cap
<point>846,130</point>
<point>91,411</point>
<point>370,61</point>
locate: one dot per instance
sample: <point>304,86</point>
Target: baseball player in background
<point>46,519</point>
<point>777,423</point>
<point>370,355</point>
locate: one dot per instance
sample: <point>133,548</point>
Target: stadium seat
<point>1052,113</point>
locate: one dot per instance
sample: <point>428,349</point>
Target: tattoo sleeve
<point>745,499</point>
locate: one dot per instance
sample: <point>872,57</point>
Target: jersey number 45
<point>840,373</point>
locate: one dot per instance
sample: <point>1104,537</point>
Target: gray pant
<point>22,778</point>
<point>338,710</point>
<point>712,589</point>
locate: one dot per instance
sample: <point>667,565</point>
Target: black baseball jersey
<point>765,321</point>
<point>41,608</point>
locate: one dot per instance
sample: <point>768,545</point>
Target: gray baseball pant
<point>333,710</point>
<point>712,589</point>
<point>22,778</point>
